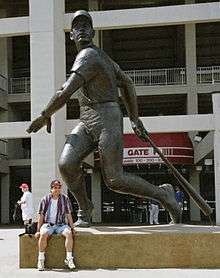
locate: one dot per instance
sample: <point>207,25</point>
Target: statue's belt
<point>99,104</point>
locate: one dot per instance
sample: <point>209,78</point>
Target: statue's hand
<point>38,123</point>
<point>138,128</point>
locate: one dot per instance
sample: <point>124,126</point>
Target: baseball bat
<point>197,198</point>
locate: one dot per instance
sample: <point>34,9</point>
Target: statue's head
<point>82,27</point>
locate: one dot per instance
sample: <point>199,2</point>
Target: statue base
<point>160,246</point>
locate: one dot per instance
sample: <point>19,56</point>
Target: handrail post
<point>213,79</point>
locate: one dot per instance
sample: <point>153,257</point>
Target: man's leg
<point>110,151</point>
<point>69,242</point>
<point>156,212</point>
<point>45,231</point>
<point>151,216</point>
<point>78,145</point>
<point>42,243</point>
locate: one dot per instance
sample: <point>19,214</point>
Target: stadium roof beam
<point>14,26</point>
<point>157,16</point>
<point>127,18</point>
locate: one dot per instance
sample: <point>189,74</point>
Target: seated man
<point>54,210</point>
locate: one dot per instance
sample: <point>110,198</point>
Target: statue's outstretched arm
<point>74,82</point>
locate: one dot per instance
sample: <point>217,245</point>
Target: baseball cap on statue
<point>81,13</point>
<point>24,185</point>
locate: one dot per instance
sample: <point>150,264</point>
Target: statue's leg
<point>78,145</point>
<point>110,150</point>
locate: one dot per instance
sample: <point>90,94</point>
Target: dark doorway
<point>127,209</point>
<point>18,175</point>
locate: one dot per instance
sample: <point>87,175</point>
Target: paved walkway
<point>9,265</point>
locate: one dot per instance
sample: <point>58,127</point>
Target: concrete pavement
<point>9,265</point>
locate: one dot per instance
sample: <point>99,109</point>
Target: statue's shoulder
<point>88,52</point>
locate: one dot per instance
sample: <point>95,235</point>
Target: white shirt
<point>53,211</point>
<point>27,207</point>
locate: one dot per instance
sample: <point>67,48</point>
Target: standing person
<point>154,212</point>
<point>54,217</point>
<point>179,198</point>
<point>101,124</point>
<point>26,204</point>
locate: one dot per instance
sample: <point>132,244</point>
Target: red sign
<point>176,147</point>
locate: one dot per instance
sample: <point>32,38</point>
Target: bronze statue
<point>101,124</point>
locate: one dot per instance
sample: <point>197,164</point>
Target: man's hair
<point>54,183</point>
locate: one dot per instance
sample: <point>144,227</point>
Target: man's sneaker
<point>40,265</point>
<point>70,263</point>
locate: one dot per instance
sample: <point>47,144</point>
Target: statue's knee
<point>62,166</point>
<point>66,168</point>
<point>72,175</point>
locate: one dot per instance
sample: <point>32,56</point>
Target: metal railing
<point>20,154</point>
<point>3,83</point>
<point>148,77</point>
<point>20,85</point>
<point>208,75</point>
<point>156,77</point>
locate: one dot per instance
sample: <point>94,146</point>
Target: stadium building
<point>170,49</point>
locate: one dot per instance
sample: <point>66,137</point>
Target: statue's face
<point>82,30</point>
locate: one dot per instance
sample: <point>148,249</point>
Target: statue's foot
<point>81,223</point>
<point>84,217</point>
<point>170,204</point>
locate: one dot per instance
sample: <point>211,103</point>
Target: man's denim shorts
<point>55,229</point>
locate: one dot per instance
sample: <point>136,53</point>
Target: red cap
<point>24,185</point>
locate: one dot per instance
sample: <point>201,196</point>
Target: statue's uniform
<point>101,124</point>
<point>99,94</point>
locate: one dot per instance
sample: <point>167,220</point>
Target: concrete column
<point>216,112</point>
<point>195,182</point>
<point>3,51</point>
<point>192,101</point>
<point>96,177</point>
<point>97,197</point>
<point>3,57</point>
<point>4,68</point>
<point>4,72</point>
<point>94,6</point>
<point>5,199</point>
<point>47,46</point>
<point>191,68</point>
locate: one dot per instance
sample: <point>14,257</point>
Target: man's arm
<point>21,202</point>
<point>74,82</point>
<point>40,220</point>
<point>70,220</point>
